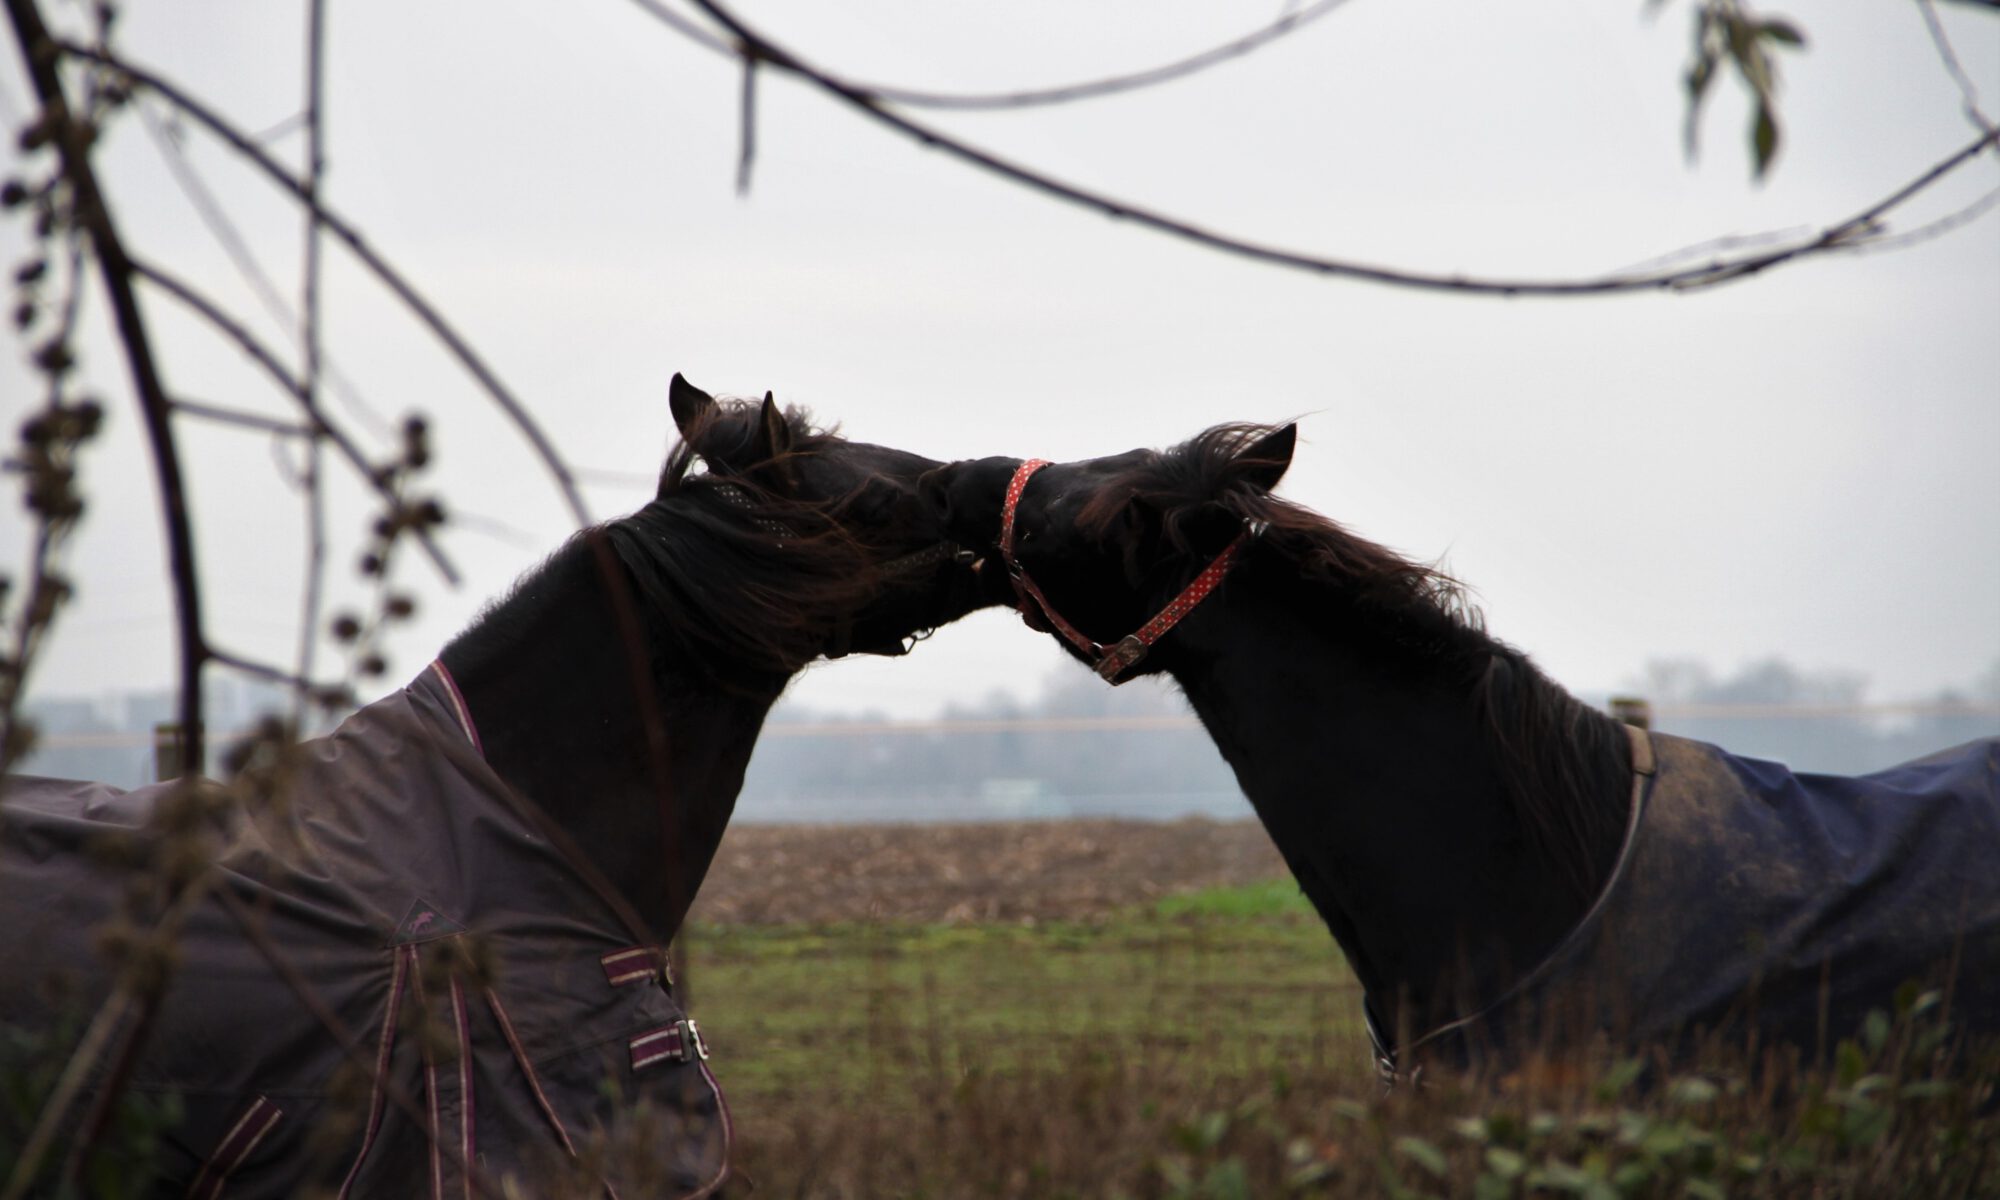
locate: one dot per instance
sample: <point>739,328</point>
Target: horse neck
<point>1375,771</point>
<point>640,768</point>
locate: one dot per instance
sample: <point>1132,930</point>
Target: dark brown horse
<point>1504,867</point>
<point>434,959</point>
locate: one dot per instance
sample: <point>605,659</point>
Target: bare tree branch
<point>72,143</point>
<point>1722,269</point>
<point>1288,22</point>
<point>313,586</point>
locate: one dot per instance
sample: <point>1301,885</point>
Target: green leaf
<point>1875,1030</point>
<point>1208,1130</point>
<point>1425,1155</point>
<point>1620,1076</point>
<point>1929,1089</point>
<point>1778,29</point>
<point>1505,1163</point>
<point>1631,1177</point>
<point>1849,1063</point>
<point>1699,77</point>
<point>1693,1089</point>
<point>1665,1141</point>
<point>1492,1187</point>
<point>1865,1124</point>
<point>1226,1181</point>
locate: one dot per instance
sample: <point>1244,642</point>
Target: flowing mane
<point>1545,740</point>
<point>730,574</point>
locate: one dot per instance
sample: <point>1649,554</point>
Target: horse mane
<point>1551,747</point>
<point>727,572</point>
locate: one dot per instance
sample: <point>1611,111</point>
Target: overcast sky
<point>1800,465</point>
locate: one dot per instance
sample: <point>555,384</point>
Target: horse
<point>1509,873</point>
<point>434,962</point>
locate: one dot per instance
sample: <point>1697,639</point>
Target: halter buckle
<point>1120,657</point>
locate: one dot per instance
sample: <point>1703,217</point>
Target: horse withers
<point>429,958</point>
<point>1506,869</point>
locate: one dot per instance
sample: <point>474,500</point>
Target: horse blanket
<point>1752,897</point>
<point>393,985</point>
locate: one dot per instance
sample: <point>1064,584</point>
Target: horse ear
<point>774,433</point>
<point>688,403</point>
<point>1265,461</point>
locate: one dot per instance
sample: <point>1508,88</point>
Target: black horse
<point>435,960</point>
<point>1505,868</point>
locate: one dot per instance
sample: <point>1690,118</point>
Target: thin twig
<point>313,587</point>
<point>1953,67</point>
<point>224,231</point>
<point>1288,22</point>
<point>259,354</point>
<point>245,420</point>
<point>264,671</point>
<point>55,1108</point>
<point>1932,230</point>
<point>1692,278</point>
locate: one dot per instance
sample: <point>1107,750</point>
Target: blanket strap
<point>1644,765</point>
<point>679,1042</point>
<point>635,965</point>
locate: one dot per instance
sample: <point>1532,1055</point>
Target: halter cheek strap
<point>1039,614</point>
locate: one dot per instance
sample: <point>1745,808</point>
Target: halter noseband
<point>1123,655</point>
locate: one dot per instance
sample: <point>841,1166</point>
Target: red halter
<point>1111,663</point>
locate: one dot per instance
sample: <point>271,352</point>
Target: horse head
<point>1108,553</point>
<point>834,550</point>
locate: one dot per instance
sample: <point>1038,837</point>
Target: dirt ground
<point>1012,871</point>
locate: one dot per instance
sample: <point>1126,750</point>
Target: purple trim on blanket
<point>459,707</point>
<point>375,1092</point>
<point>728,1135</point>
<point>242,1138</point>
<point>432,1133</point>
<point>528,1069</point>
<point>465,1114</point>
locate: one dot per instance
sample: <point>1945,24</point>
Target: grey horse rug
<point>392,984</point>
<point>1752,897</point>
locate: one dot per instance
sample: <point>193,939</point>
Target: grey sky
<point>1800,465</point>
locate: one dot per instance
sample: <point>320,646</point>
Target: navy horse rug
<point>1749,897</point>
<point>390,983</point>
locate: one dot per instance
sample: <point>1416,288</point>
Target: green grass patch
<point>1231,983</point>
<point>1271,898</point>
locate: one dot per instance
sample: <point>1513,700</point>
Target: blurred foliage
<point>121,1163</point>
